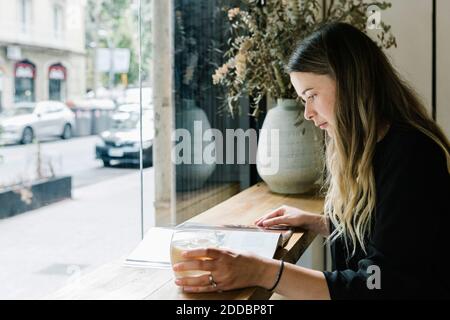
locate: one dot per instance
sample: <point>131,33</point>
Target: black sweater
<point>409,241</point>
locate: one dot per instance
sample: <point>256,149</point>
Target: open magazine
<point>154,250</point>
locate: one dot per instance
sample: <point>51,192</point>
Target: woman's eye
<point>309,98</point>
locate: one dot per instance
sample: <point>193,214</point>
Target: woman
<point>386,212</point>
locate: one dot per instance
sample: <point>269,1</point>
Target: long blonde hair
<point>369,94</point>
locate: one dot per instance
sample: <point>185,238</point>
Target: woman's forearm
<point>295,283</point>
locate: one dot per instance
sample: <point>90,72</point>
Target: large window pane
<point>70,181</point>
<point>208,171</point>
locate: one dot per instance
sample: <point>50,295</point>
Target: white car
<point>132,96</point>
<point>28,120</point>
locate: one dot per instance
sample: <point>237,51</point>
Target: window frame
<point>25,15</point>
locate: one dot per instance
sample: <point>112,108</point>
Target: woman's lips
<point>323,125</point>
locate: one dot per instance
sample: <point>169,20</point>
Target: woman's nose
<point>309,113</point>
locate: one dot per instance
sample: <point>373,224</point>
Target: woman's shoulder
<point>411,165</point>
<point>406,140</point>
<point>407,146</point>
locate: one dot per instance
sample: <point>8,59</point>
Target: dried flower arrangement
<point>261,38</point>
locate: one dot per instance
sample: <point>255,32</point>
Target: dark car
<point>121,144</point>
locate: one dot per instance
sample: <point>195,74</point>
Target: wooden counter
<point>115,281</point>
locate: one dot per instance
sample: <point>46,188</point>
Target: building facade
<point>42,50</point>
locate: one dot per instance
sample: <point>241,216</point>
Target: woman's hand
<point>293,217</point>
<point>229,270</point>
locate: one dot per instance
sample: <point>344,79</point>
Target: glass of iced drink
<point>183,240</point>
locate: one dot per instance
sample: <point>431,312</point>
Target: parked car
<point>28,120</point>
<point>121,144</point>
<point>132,95</point>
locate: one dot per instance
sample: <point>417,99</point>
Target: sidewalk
<point>41,250</point>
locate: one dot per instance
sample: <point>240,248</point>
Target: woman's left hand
<point>229,270</point>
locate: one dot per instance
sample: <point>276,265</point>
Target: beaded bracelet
<point>280,271</point>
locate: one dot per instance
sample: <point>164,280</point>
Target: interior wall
<point>411,24</point>
<point>443,65</point>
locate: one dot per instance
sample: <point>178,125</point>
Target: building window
<point>25,74</point>
<point>57,82</point>
<point>58,21</point>
<point>25,15</point>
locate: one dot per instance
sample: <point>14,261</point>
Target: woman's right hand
<point>294,217</point>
